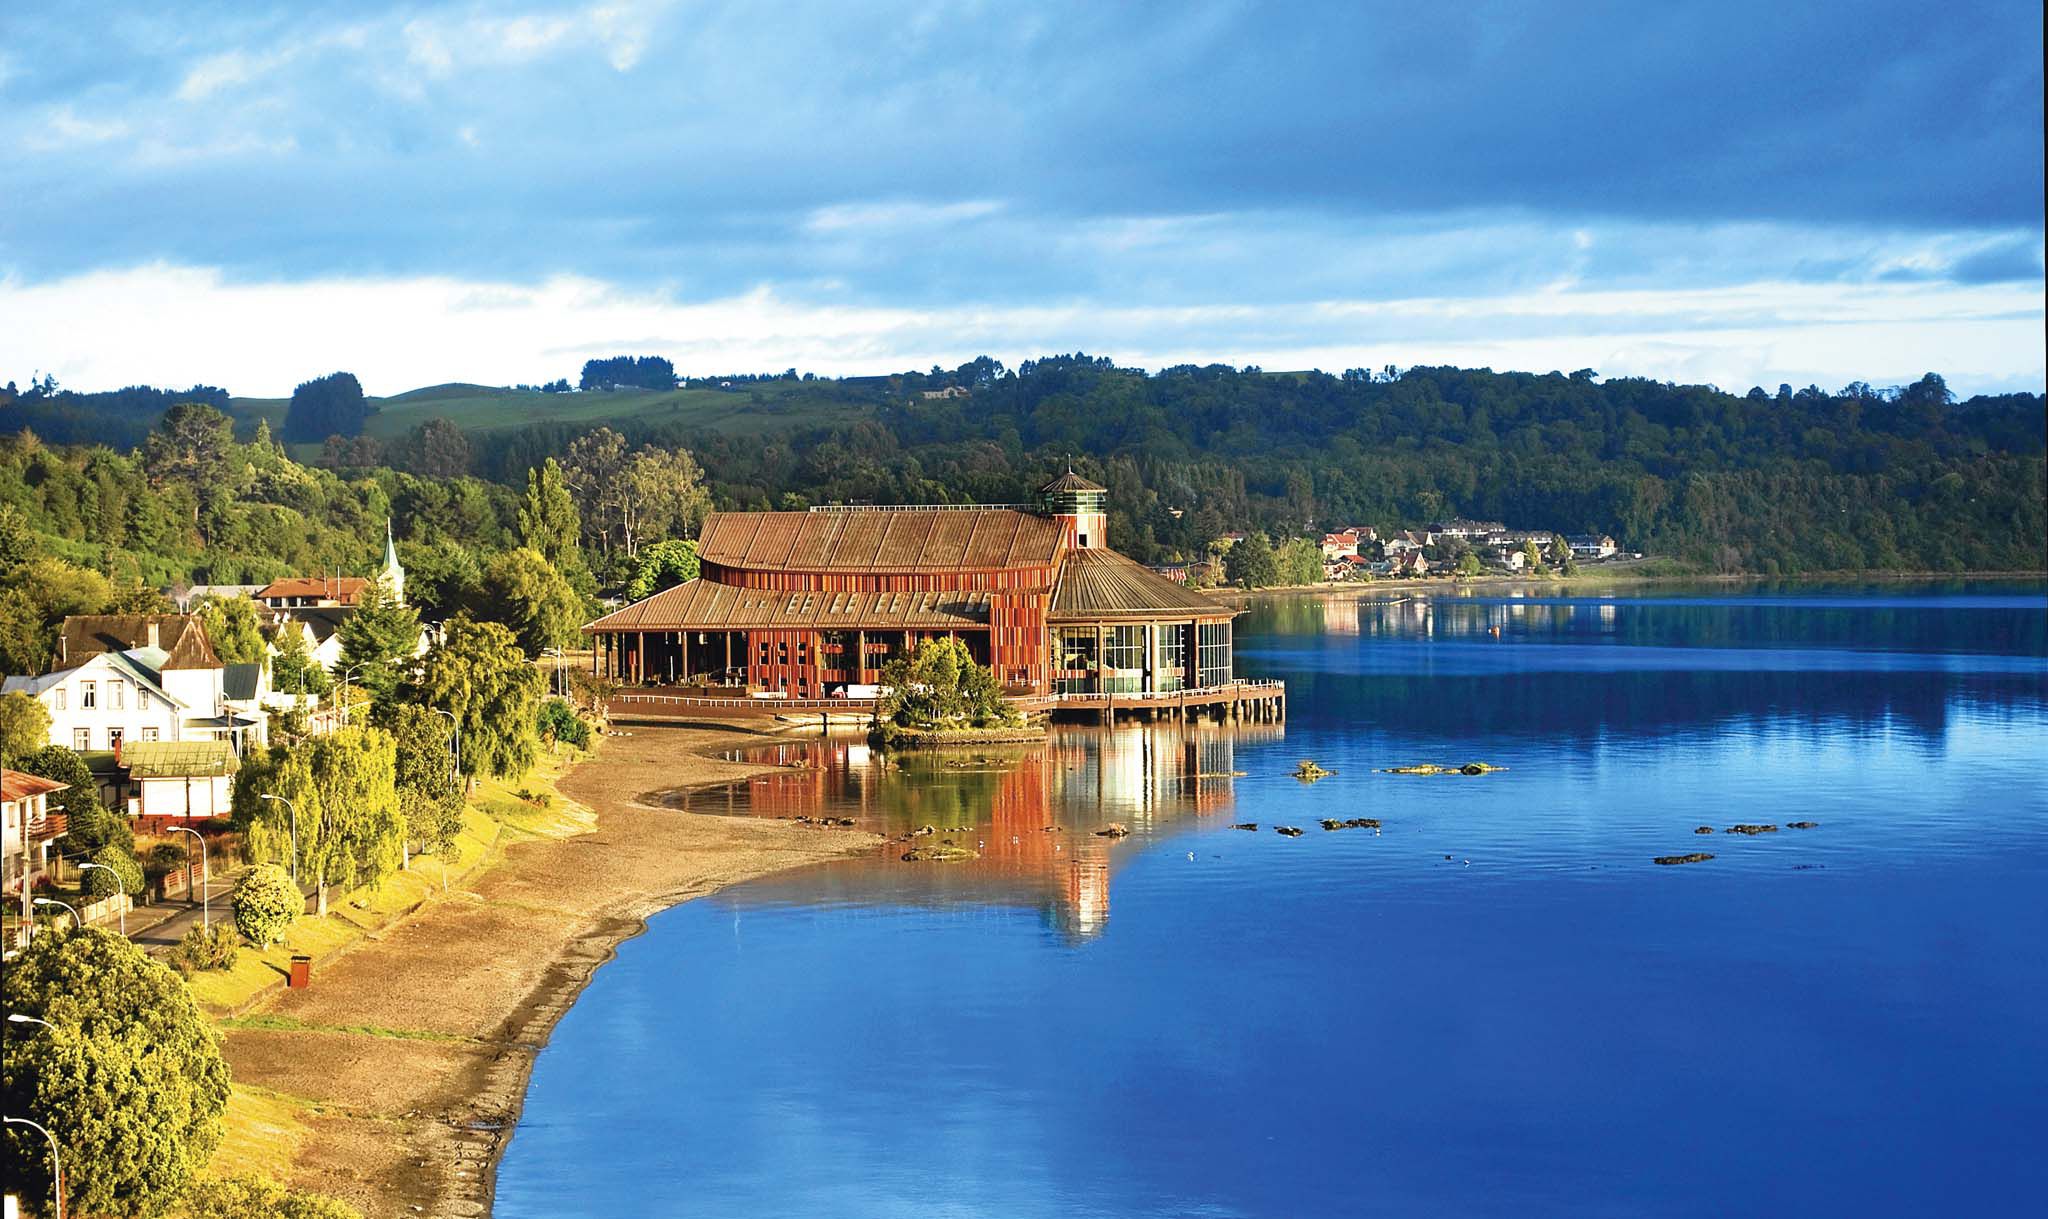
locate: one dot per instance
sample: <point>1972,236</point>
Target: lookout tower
<point>1074,498</point>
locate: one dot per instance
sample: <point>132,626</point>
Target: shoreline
<point>410,1055</point>
<point>1585,578</point>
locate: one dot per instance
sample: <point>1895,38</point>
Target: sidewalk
<point>166,922</point>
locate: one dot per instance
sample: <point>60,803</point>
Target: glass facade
<point>1213,665</point>
<point>1074,652</point>
<point>1123,659</point>
<point>1170,656</point>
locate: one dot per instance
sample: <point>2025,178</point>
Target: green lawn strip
<point>270,1022</point>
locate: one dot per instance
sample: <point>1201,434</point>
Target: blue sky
<point>1734,192</point>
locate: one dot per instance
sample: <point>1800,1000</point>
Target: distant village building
<point>1592,546</point>
<point>202,592</point>
<point>28,830</point>
<point>951,391</point>
<point>814,604</point>
<point>306,592</point>
<point>1465,529</point>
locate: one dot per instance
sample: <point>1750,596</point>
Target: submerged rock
<point>1112,830</point>
<point>1351,823</point>
<point>1802,825</point>
<point>1309,772</point>
<point>1479,768</point>
<point>944,852</point>
<point>1694,857</point>
<point>1705,829</point>
<point>1245,825</point>
<point>1752,829</point>
<point>1427,768</point>
<point>1291,831</point>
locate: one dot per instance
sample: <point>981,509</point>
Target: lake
<point>1493,1004</point>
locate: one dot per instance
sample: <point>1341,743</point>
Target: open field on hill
<point>741,410</point>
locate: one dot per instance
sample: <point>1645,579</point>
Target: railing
<point>852,704</point>
<point>920,507</point>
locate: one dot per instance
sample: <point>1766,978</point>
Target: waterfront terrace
<point>807,607</point>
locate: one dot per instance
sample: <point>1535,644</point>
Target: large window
<point>1214,662</point>
<point>1123,659</point>
<point>88,696</point>
<point>1074,659</point>
<point>1170,656</point>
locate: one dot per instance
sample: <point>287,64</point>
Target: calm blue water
<point>1497,1005</point>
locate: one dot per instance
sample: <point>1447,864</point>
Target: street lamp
<point>457,724</point>
<point>346,704</point>
<point>76,921</point>
<point>206,873</point>
<point>18,1018</point>
<point>295,832</point>
<point>119,891</point>
<point>56,1165</point>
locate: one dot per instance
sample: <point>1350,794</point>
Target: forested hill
<point>1771,482</point>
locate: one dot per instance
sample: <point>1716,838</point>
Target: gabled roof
<point>143,666</point>
<point>242,682</point>
<point>882,539</point>
<point>700,605</point>
<point>342,589</point>
<point>1096,584</point>
<point>178,759</point>
<point>1070,481</point>
<point>322,620</point>
<point>181,637</point>
<point>18,785</point>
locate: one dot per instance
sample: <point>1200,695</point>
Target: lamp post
<point>347,706</point>
<point>120,890</point>
<point>457,725</point>
<point>18,1018</point>
<point>295,832</point>
<point>76,922</point>
<point>206,873</point>
<point>56,1165</point>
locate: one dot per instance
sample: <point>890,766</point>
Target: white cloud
<point>896,215</point>
<point>64,127</point>
<point>169,325</point>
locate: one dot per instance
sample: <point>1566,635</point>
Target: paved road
<point>183,915</point>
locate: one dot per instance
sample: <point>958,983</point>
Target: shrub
<point>165,858</point>
<point>267,903</point>
<point>558,721</point>
<point>98,883</point>
<point>248,1197</point>
<point>206,948</point>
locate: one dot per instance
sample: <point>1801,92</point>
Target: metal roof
<point>1096,584</point>
<point>1070,481</point>
<point>893,540</point>
<point>178,759</point>
<point>179,635</point>
<point>700,605</point>
<point>19,785</point>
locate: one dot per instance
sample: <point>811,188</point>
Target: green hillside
<point>747,409</point>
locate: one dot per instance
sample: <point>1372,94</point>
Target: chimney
<point>155,634</point>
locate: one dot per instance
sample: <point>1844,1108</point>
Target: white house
<point>123,678</point>
<point>187,780</point>
<point>1592,546</point>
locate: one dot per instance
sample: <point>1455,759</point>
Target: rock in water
<point>1309,772</point>
<point>1112,830</point>
<point>1245,825</point>
<point>1292,831</point>
<point>1695,857</point>
<point>1752,829</point>
<point>1705,829</point>
<point>1479,768</point>
<point>1802,825</point>
<point>942,853</point>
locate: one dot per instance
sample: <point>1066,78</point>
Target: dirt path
<point>416,1047</point>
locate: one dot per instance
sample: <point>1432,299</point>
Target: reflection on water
<point>1032,811</point>
<point>1498,1006</point>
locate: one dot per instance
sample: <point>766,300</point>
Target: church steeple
<point>393,575</point>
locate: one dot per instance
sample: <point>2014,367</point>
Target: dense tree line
<point>628,372</point>
<point>120,418</point>
<point>1772,482</point>
<point>332,405</point>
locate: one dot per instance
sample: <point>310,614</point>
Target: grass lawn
<point>744,410</point>
<point>496,815</point>
<point>264,1133</point>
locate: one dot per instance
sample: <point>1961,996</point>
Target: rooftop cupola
<point>1074,498</point>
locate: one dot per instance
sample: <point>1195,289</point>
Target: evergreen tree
<point>531,597</point>
<point>232,627</point>
<point>379,641</point>
<point>1251,563</point>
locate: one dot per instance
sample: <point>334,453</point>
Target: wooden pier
<point>1252,701</point>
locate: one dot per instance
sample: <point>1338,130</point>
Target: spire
<point>393,575</point>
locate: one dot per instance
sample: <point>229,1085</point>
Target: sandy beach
<point>413,1050</point>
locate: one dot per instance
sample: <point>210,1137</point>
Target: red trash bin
<point>302,972</point>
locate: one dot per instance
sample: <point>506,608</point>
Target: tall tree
<point>342,790</point>
<point>232,627</point>
<point>332,405</point>
<point>429,793</point>
<point>550,524</point>
<point>479,674</point>
<point>379,641</point>
<point>192,445</point>
<point>528,595</point>
<point>24,727</point>
<point>1251,563</point>
<point>127,1071</point>
<point>665,564</point>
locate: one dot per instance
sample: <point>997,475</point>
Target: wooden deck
<point>1239,700</point>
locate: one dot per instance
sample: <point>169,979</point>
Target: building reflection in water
<point>1032,811</point>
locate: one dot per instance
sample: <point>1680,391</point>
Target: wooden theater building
<point>811,605</point>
